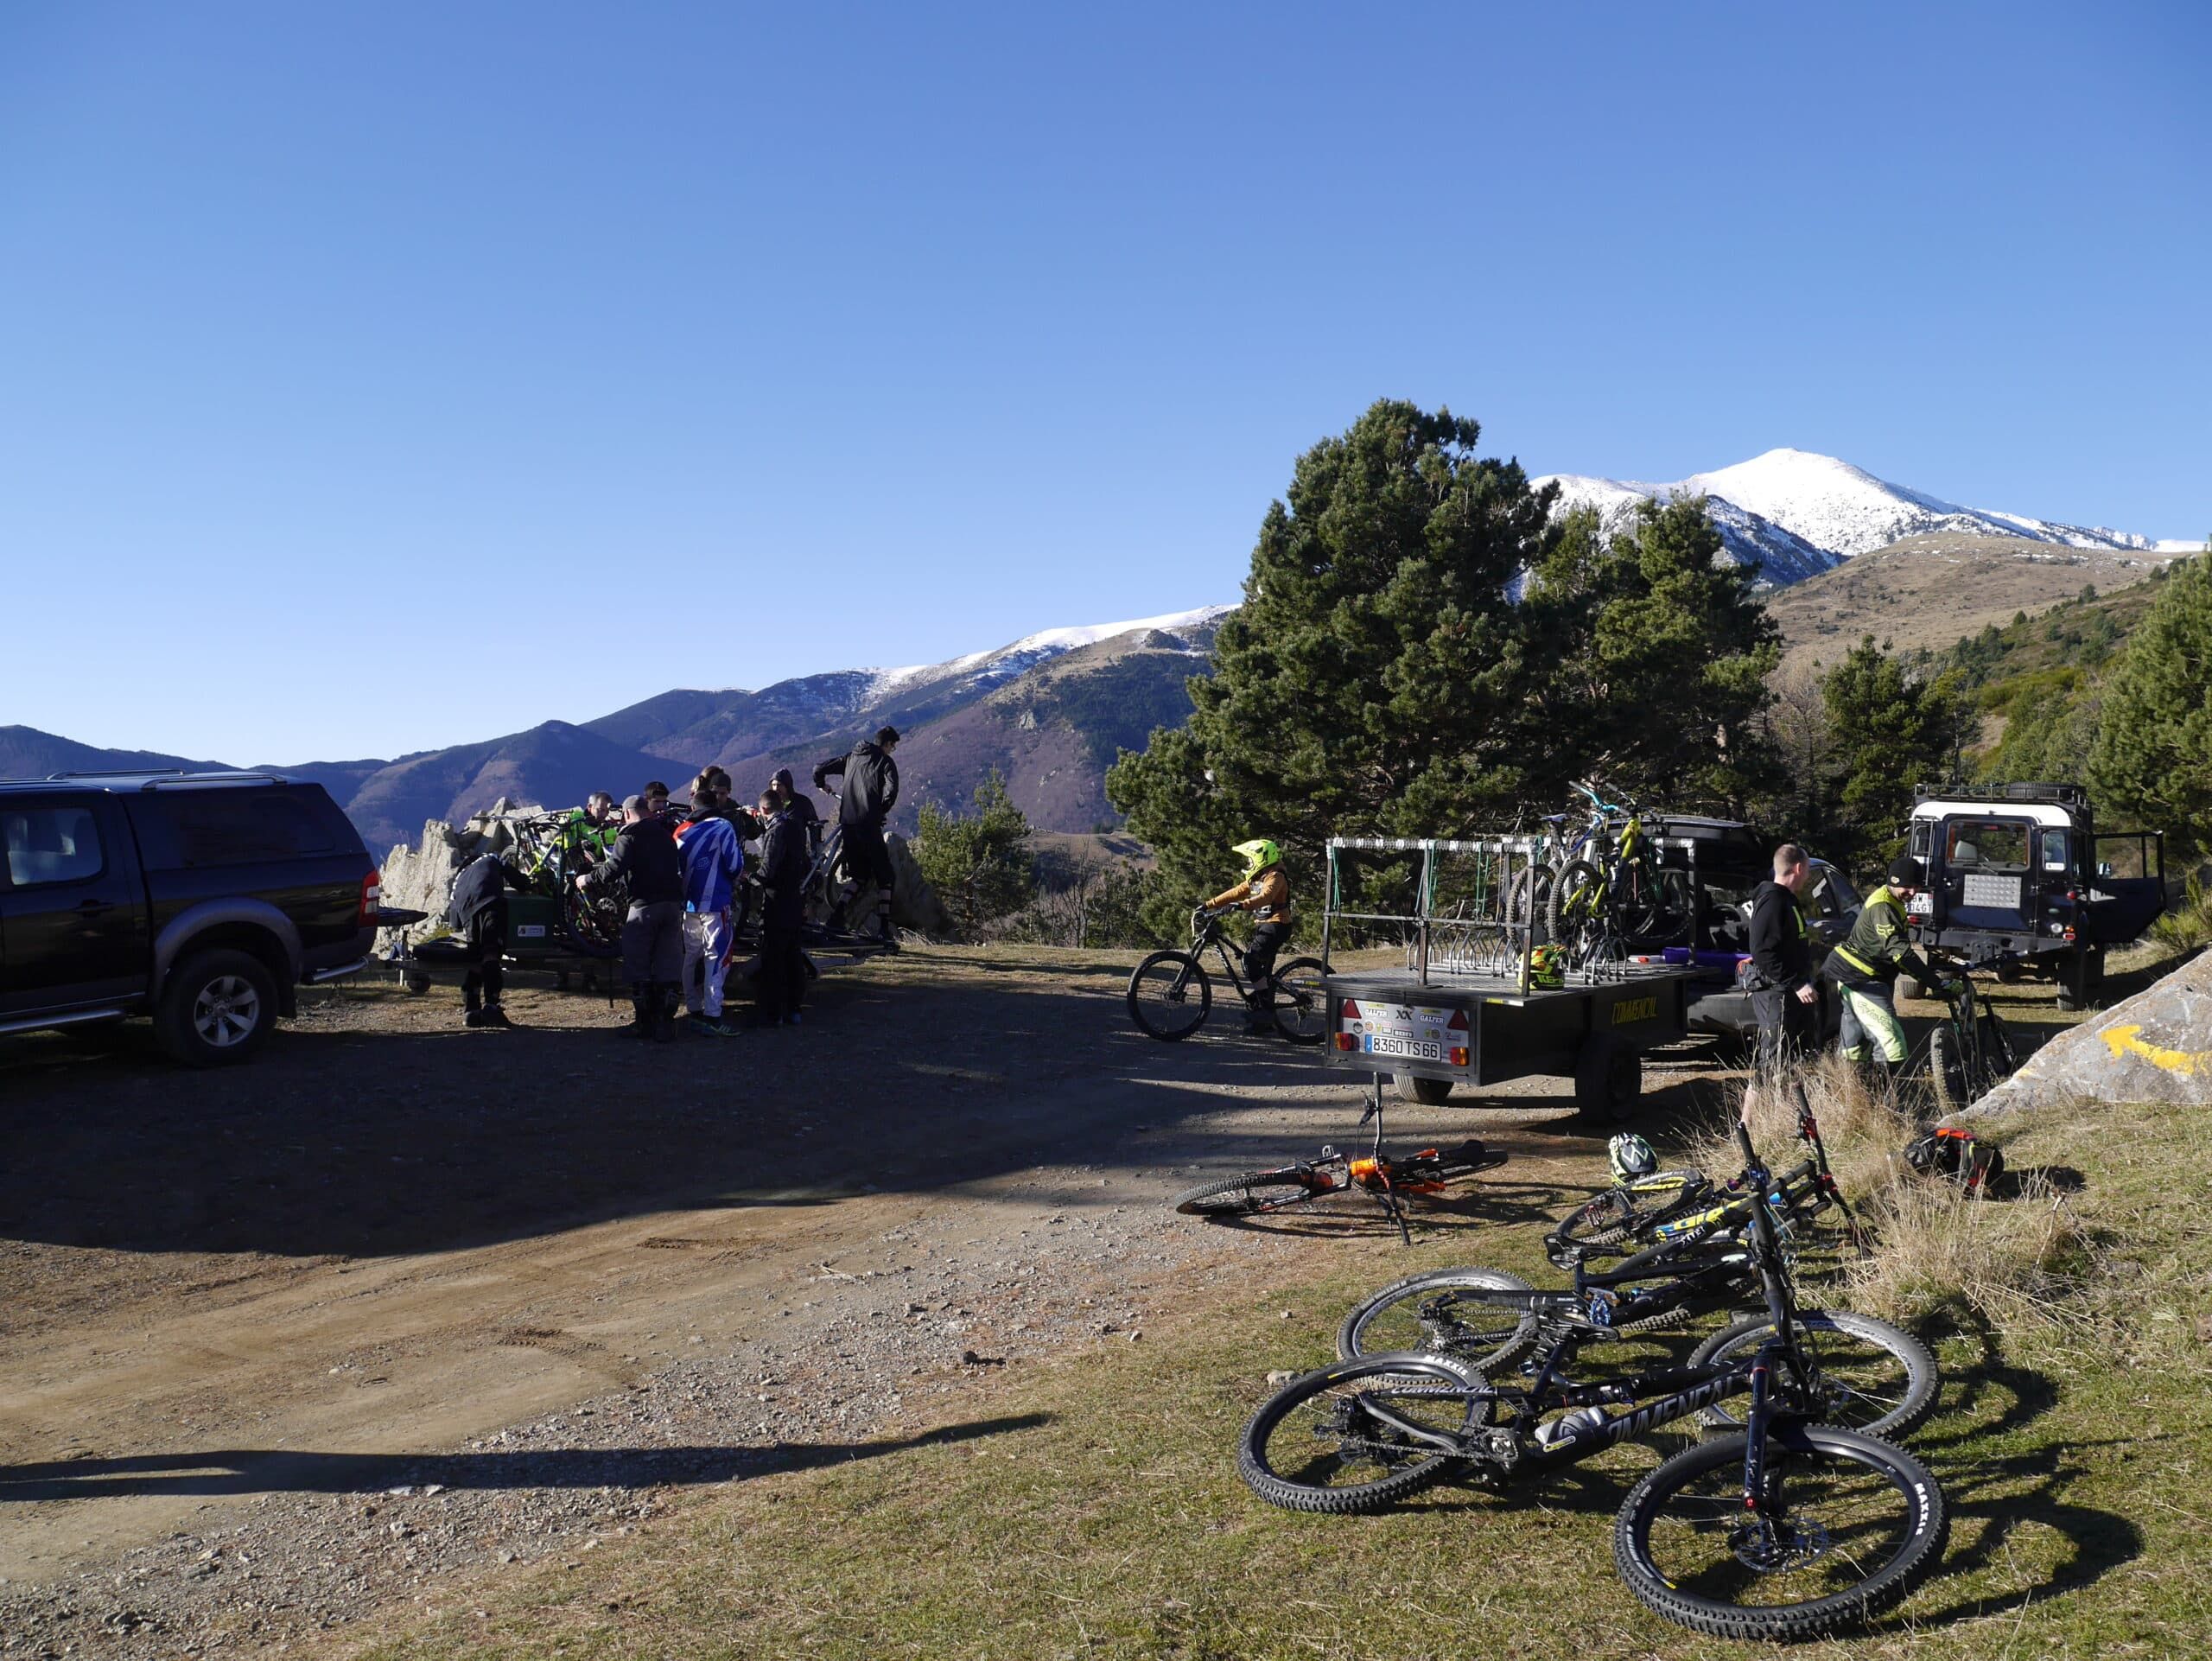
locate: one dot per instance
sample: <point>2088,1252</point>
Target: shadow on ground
<point>221,1472</point>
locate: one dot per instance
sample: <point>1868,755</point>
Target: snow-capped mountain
<point>984,669</point>
<point>1792,513</point>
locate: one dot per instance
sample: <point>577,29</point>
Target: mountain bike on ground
<point>1668,1205</point>
<point>1429,1172</point>
<point>1787,1528</point>
<point>1171,994</point>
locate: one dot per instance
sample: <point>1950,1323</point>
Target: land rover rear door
<point>1988,878</point>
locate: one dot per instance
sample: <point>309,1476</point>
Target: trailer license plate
<point>1412,1048</point>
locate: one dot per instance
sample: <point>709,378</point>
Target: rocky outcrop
<point>421,877</point>
<point>2156,1047</point>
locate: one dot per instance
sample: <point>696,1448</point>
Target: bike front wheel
<point>1624,1213</point>
<point>1169,996</point>
<point>1443,1312</point>
<point>1344,1439</point>
<point>1253,1193</point>
<point>1302,1007</point>
<point>1879,1379</point>
<point>1847,1526</point>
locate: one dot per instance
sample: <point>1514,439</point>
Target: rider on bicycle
<point>1265,891</point>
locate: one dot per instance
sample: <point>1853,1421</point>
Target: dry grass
<point>2009,1258</point>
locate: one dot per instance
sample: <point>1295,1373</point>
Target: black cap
<point>886,735</point>
<point>1906,872</point>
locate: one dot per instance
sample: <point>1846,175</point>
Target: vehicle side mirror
<point>2104,869</point>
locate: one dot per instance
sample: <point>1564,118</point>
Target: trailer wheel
<point>2008,971</point>
<point>1608,1079</point>
<point>1429,1092</point>
<point>417,985</point>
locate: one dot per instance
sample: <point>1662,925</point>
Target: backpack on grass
<point>1960,1155</point>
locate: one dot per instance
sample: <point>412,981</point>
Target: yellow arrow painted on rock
<point>2122,1040</point>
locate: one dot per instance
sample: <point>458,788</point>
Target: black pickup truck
<point>203,900</point>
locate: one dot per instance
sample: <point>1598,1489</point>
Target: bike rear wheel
<point>1325,1442</point>
<point>1947,1073</point>
<point>1300,1007</point>
<point>1443,1312</point>
<point>1848,1527</point>
<point>1252,1193</point>
<point>1573,911</point>
<point>1881,1381</point>
<point>1622,1213</point>
<point>1169,996</point>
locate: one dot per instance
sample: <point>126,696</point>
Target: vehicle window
<point>1986,845</point>
<point>240,827</point>
<point>2053,853</point>
<point>51,844</point>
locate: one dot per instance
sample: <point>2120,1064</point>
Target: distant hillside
<point>1928,591</point>
<point>1051,730</point>
<point>27,753</point>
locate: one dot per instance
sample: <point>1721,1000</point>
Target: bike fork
<point>1386,1194</point>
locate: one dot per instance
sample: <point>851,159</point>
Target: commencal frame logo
<point>1629,1009</point>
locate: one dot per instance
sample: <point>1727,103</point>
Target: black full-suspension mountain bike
<point>1969,1051</point>
<point>1171,994</point>
<point>1787,1528</point>
<point>1668,1204</point>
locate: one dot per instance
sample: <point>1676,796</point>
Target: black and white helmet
<point>1631,1156</point>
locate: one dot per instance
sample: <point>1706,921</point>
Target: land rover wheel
<point>217,1007</point>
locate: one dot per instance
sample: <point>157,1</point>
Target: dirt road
<point>544,1281</point>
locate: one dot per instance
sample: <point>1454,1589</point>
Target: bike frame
<point>1681,1390</point>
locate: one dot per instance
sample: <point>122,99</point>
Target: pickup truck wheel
<point>1608,1079</point>
<point>217,1007</point>
<point>1429,1092</point>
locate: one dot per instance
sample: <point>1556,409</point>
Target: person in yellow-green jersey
<point>1865,968</point>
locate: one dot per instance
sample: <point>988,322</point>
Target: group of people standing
<point>683,872</point>
<point>1864,967</point>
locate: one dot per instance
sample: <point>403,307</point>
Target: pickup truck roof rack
<point>2066,795</point>
<point>154,778</point>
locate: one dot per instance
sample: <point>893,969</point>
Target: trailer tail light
<point>1458,1021</point>
<point>1350,1011</point>
<point>1343,1040</point>
<point>1458,1058</point>
<point>372,899</point>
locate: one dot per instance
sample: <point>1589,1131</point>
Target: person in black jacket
<point>871,791</point>
<point>780,983</point>
<point>478,909</point>
<point>1784,997</point>
<point>646,858</point>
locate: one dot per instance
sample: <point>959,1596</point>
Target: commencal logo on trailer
<point>1629,1009</point>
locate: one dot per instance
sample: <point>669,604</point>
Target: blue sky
<point>375,378</point>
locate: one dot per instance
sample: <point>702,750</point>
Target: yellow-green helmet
<point>1548,966</point>
<point>1258,854</point>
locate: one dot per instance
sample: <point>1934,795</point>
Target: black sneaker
<point>495,1016</point>
<point>474,1018</point>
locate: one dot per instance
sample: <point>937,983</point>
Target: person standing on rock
<point>780,984</point>
<point>871,791</point>
<point>1783,997</point>
<point>646,858</point>
<point>712,859</point>
<point>478,911</point>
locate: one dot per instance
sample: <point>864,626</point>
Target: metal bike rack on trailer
<point>1463,1009</point>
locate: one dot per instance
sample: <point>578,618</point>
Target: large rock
<point>421,877</point>
<point>2156,1047</point>
<point>914,904</point>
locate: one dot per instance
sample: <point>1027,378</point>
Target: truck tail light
<point>372,899</point>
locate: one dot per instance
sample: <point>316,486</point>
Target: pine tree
<point>1892,731</point>
<point>2151,763</point>
<point>1421,651</point>
<point>979,865</point>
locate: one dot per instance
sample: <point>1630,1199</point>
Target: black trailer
<point>1463,1008</point>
